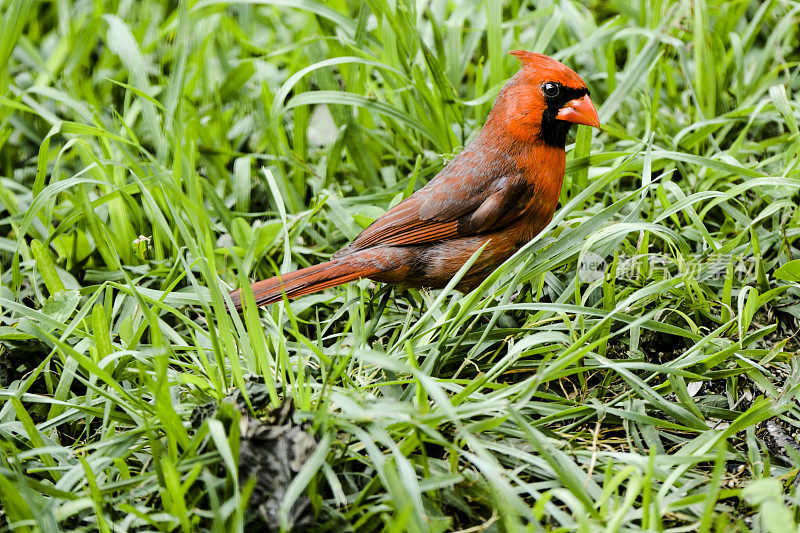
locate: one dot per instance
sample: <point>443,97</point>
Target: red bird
<point>502,189</point>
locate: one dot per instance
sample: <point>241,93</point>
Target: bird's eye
<point>550,89</point>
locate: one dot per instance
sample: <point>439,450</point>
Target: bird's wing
<point>469,196</point>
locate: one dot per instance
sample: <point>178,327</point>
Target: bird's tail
<point>305,281</point>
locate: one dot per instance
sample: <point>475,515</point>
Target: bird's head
<point>544,99</point>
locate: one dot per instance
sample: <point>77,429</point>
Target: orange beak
<point>579,111</point>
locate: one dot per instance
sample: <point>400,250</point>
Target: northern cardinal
<point>502,189</point>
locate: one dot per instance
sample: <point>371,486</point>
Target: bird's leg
<point>384,293</point>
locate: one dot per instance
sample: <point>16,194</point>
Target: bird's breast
<point>543,168</point>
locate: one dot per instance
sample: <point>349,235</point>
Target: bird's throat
<point>554,131</point>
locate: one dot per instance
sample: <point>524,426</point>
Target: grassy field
<point>633,368</point>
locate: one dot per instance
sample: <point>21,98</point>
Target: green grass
<point>644,397</point>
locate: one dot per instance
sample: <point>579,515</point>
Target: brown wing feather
<point>439,210</point>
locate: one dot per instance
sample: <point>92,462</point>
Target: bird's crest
<point>544,65</point>
<point>532,58</point>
